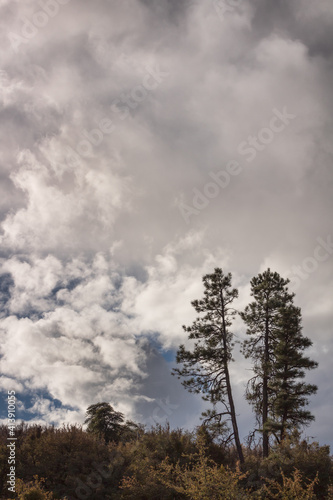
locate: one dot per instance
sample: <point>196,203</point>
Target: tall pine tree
<point>270,293</point>
<point>206,367</point>
<point>276,346</point>
<point>290,392</point>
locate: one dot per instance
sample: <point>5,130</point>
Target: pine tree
<point>276,346</point>
<point>206,367</point>
<point>290,392</point>
<point>109,424</point>
<point>270,293</point>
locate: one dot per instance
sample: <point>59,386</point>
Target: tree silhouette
<point>206,368</point>
<point>275,345</point>
<point>109,424</point>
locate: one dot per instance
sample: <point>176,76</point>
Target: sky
<point>144,143</point>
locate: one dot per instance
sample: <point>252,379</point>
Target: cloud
<point>97,262</point>
<point>162,303</point>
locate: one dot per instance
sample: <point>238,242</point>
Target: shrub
<point>292,488</point>
<point>33,490</point>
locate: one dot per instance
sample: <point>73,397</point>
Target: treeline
<point>118,459</point>
<point>159,464</point>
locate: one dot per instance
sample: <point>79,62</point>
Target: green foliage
<point>330,492</point>
<point>33,490</point>
<point>118,459</point>
<point>108,424</point>
<point>145,456</point>
<point>206,366</point>
<point>162,464</point>
<point>311,460</point>
<point>217,449</point>
<point>292,488</point>
<point>61,456</point>
<point>199,478</point>
<point>290,393</point>
<point>270,294</point>
<point>275,345</point>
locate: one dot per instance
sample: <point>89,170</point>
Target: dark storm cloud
<point>292,19</point>
<point>114,114</point>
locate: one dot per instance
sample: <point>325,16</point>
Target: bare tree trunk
<point>229,391</point>
<point>265,438</point>
<point>233,417</point>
